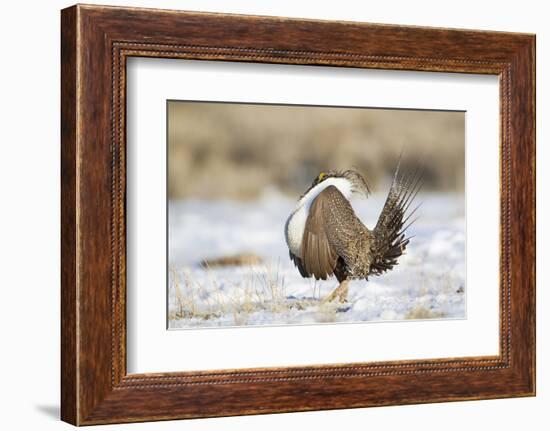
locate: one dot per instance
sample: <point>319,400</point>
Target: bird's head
<point>355,179</point>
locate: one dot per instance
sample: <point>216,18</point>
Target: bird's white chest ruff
<point>295,230</point>
<point>296,223</point>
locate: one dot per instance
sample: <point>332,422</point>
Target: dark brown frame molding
<point>95,43</point>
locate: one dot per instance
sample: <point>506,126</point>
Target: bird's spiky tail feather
<point>390,239</point>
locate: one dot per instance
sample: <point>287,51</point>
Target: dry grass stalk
<point>261,289</point>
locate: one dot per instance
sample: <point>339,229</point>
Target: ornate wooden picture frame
<point>96,41</point>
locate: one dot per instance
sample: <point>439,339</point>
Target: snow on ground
<point>429,281</point>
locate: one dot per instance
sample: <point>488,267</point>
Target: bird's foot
<point>340,293</point>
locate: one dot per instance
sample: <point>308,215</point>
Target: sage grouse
<point>325,237</point>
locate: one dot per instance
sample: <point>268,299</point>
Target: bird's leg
<point>341,292</point>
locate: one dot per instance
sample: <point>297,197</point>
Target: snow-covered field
<point>429,281</point>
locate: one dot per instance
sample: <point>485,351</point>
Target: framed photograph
<point>264,214</point>
<point>260,229</point>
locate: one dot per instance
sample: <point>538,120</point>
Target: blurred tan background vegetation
<point>237,151</point>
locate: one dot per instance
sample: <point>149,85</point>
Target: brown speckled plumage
<point>336,242</point>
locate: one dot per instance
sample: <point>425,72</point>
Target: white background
<point>151,348</point>
<point>29,217</point>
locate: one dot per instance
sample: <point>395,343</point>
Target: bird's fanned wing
<point>389,234</point>
<point>332,230</point>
